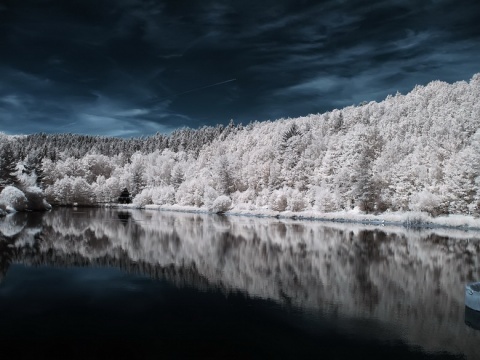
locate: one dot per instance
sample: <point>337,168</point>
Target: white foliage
<point>26,180</point>
<point>425,201</point>
<point>263,198</point>
<point>143,198</point>
<point>190,193</point>
<point>413,152</point>
<point>70,190</point>
<point>325,200</point>
<point>244,197</point>
<point>221,204</point>
<point>14,199</point>
<point>163,195</point>
<point>296,200</point>
<point>107,190</point>
<point>278,200</point>
<point>209,196</point>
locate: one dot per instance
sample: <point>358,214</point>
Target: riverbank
<point>404,219</point>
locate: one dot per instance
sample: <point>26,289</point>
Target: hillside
<point>413,152</point>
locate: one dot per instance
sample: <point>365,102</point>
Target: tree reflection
<point>347,269</point>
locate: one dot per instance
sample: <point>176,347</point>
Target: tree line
<point>413,152</point>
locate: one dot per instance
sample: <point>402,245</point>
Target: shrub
<point>295,200</point>
<point>324,200</point>
<point>278,201</point>
<point>14,199</point>
<point>143,198</point>
<point>426,201</point>
<point>296,203</point>
<point>221,204</point>
<point>209,196</point>
<point>190,193</point>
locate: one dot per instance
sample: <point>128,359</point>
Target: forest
<point>414,152</point>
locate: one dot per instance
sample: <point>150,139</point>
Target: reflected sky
<point>167,275</point>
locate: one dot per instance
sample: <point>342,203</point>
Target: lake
<point>108,283</point>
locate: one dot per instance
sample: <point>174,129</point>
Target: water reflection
<point>123,216</point>
<point>472,318</point>
<point>410,282</point>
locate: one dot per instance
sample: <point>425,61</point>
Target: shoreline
<point>408,220</point>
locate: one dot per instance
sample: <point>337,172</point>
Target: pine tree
<point>28,165</point>
<point>138,182</point>
<point>177,176</point>
<point>287,135</point>
<point>39,172</point>
<point>8,167</point>
<point>365,189</point>
<point>225,177</point>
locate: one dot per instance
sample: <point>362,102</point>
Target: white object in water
<point>472,296</point>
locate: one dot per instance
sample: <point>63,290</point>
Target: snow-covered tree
<point>418,151</point>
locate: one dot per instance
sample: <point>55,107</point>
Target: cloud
<point>108,58</point>
<point>12,100</point>
<point>380,79</point>
<point>132,112</point>
<point>367,56</point>
<point>33,105</point>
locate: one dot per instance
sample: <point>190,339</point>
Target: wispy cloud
<point>106,59</point>
<point>12,100</point>
<point>132,112</point>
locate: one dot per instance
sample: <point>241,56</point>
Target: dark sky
<point>126,67</point>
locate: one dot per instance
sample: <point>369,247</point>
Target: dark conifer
<point>8,167</point>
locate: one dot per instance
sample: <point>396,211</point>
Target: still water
<point>104,283</point>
